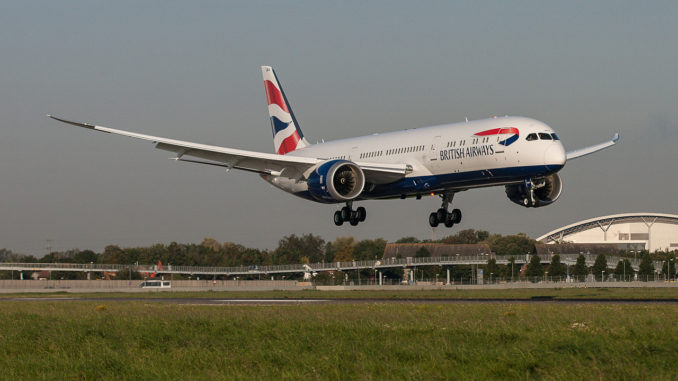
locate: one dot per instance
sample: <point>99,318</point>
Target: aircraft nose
<point>555,157</point>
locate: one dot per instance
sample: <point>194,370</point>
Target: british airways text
<point>461,153</point>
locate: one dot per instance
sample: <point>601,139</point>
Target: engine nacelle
<point>336,181</point>
<point>533,193</point>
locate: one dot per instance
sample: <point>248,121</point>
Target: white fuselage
<point>447,157</point>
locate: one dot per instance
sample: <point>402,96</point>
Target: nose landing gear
<point>442,215</point>
<point>347,214</point>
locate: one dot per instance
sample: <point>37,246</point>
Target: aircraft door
<point>433,153</point>
<point>354,155</point>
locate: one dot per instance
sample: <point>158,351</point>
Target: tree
<point>534,268</point>
<point>113,255</point>
<point>580,270</point>
<point>492,269</point>
<point>599,266</point>
<point>368,249</point>
<point>468,236</point>
<point>519,244</point>
<point>672,262</point>
<point>408,240</point>
<point>557,268</point>
<point>342,249</point>
<point>292,248</point>
<point>646,268</point>
<point>85,256</point>
<point>623,269</point>
<point>211,243</point>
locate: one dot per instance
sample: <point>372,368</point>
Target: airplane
<point>522,154</point>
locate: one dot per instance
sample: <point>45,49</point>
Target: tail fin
<point>287,135</point>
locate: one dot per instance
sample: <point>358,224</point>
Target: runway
<point>288,301</point>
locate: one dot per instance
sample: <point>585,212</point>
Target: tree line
<point>601,270</point>
<point>304,248</point>
<point>309,248</point>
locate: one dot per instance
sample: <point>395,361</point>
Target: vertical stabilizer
<point>287,135</point>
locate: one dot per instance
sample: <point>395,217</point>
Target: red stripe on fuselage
<point>510,130</point>
<point>498,131</point>
<point>289,144</point>
<point>489,132</point>
<point>274,96</point>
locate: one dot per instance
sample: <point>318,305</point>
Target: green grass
<point>512,294</point>
<point>373,341</point>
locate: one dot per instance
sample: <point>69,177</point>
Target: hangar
<point>629,231</point>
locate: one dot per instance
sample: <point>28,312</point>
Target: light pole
<point>668,269</point>
<point>602,276</point>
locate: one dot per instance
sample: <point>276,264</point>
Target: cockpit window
<point>555,137</point>
<point>545,136</point>
<point>531,137</point>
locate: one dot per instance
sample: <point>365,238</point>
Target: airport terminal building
<point>629,231</point>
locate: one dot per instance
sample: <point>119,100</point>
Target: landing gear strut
<point>442,216</point>
<point>347,214</point>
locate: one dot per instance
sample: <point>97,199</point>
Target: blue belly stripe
<point>438,183</point>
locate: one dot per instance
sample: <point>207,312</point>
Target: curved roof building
<point>629,231</point>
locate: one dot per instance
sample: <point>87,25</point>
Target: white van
<point>155,284</point>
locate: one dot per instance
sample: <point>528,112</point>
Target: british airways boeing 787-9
<point>522,154</point>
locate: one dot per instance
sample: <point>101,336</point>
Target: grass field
<point>511,294</point>
<point>372,341</point>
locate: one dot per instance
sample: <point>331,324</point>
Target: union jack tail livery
<point>287,135</point>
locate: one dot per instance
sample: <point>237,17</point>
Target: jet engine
<point>336,181</point>
<point>533,193</point>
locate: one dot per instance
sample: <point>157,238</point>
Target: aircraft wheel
<point>433,219</point>
<point>456,216</point>
<point>346,213</point>
<point>441,215</point>
<point>354,220</point>
<point>361,213</point>
<point>337,218</point>
<point>449,223</point>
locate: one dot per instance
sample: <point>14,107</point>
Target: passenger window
<point>531,137</point>
<point>545,136</point>
<point>555,137</point>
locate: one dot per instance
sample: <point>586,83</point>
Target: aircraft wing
<point>259,162</point>
<point>589,150</point>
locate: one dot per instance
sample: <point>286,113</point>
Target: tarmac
<point>287,301</point>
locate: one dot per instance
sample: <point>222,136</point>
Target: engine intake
<point>534,193</point>
<point>336,181</point>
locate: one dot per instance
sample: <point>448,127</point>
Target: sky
<point>191,71</point>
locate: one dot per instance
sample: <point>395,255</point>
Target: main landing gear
<point>442,216</point>
<point>347,214</point>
